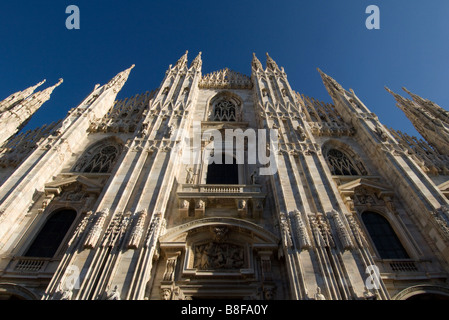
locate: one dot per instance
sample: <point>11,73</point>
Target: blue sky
<point>411,49</point>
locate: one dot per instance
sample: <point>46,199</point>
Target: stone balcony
<point>246,200</point>
<point>408,269</point>
<point>31,267</point>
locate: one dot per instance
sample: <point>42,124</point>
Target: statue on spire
<point>256,63</point>
<point>182,62</point>
<point>271,64</point>
<point>197,62</point>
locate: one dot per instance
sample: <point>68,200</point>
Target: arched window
<point>225,106</point>
<point>384,238</point>
<point>223,173</point>
<point>340,164</point>
<point>225,110</point>
<point>99,158</point>
<point>51,235</point>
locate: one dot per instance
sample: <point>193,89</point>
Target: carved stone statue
<point>368,295</point>
<point>319,295</point>
<point>254,177</point>
<point>190,176</point>
<point>215,256</point>
<point>114,294</point>
<point>220,233</point>
<point>166,294</point>
<point>242,204</point>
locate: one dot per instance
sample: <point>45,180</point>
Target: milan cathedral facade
<point>103,204</point>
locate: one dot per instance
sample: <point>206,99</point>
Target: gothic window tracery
<point>98,159</point>
<point>224,110</point>
<point>341,165</point>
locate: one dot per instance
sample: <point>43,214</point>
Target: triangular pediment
<point>350,187</point>
<point>58,185</point>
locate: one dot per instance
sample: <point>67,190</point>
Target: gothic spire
<point>436,111</point>
<point>400,99</point>
<point>430,120</point>
<point>256,63</point>
<point>182,62</point>
<point>26,104</point>
<point>43,96</point>
<point>330,82</point>
<point>119,80</point>
<point>197,62</point>
<point>15,98</point>
<point>271,64</point>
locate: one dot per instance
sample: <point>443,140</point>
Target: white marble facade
<point>103,204</point>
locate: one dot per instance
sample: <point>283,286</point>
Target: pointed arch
<point>100,157</point>
<point>225,106</point>
<point>342,160</point>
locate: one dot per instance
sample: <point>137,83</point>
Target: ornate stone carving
<point>356,231</point>
<point>95,231</point>
<point>220,233</point>
<point>137,232</point>
<point>190,178</point>
<point>166,294</point>
<point>442,219</point>
<point>170,267</point>
<point>321,231</point>
<point>301,232</point>
<point>99,158</point>
<point>380,131</point>
<point>116,230</point>
<point>225,79</point>
<point>153,230</point>
<point>318,295</point>
<point>114,294</point>
<point>218,256</point>
<point>342,232</point>
<point>62,292</point>
<point>285,230</point>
